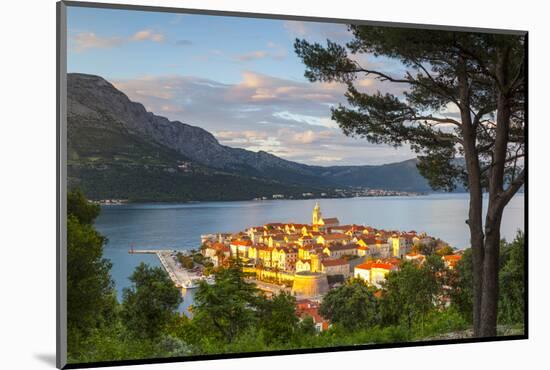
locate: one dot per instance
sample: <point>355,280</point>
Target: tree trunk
<point>475,218</point>
<point>476,238</point>
<point>489,298</point>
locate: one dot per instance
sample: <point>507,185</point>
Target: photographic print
<point>240,184</point>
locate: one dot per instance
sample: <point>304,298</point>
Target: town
<point>348,192</point>
<point>307,260</point>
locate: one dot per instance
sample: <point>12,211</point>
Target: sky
<point>238,78</point>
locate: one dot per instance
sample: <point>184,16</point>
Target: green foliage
<point>445,251</point>
<point>91,298</point>
<point>226,309</point>
<point>277,318</point>
<point>116,343</point>
<point>409,293</point>
<point>512,282</point>
<point>139,183</point>
<point>511,303</point>
<point>440,321</point>
<point>426,247</point>
<point>149,304</point>
<point>352,305</point>
<point>79,207</point>
<point>462,283</point>
<point>306,327</point>
<point>434,265</point>
<point>439,167</point>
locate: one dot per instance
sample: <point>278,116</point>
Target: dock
<point>181,277</point>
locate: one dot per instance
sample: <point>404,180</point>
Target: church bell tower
<point>316,214</point>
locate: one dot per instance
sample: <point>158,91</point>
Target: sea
<point>180,225</point>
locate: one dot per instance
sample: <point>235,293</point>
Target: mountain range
<point>117,149</point>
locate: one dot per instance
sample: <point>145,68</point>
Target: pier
<point>182,278</point>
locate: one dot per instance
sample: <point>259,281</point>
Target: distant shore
<point>390,193</point>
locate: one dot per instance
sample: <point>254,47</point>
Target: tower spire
<point>316,215</point>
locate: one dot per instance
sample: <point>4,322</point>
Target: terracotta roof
<point>415,256</point>
<point>334,236</point>
<point>383,266</point>
<point>341,247</point>
<point>334,262</point>
<point>220,247</point>
<point>331,220</point>
<point>364,266</point>
<point>242,242</point>
<point>373,240</point>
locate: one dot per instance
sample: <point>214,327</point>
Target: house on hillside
<point>339,250</point>
<point>335,266</point>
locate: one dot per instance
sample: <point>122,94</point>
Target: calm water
<point>179,226</point>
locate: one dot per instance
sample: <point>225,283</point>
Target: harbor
<point>181,277</point>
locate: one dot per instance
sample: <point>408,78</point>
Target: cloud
<point>275,52</point>
<point>171,108</point>
<point>89,40</point>
<point>83,41</point>
<point>253,55</point>
<point>290,119</point>
<point>260,54</point>
<point>309,120</point>
<point>264,89</point>
<point>251,140</point>
<point>147,35</point>
<point>325,158</point>
<point>311,137</point>
<point>249,135</point>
